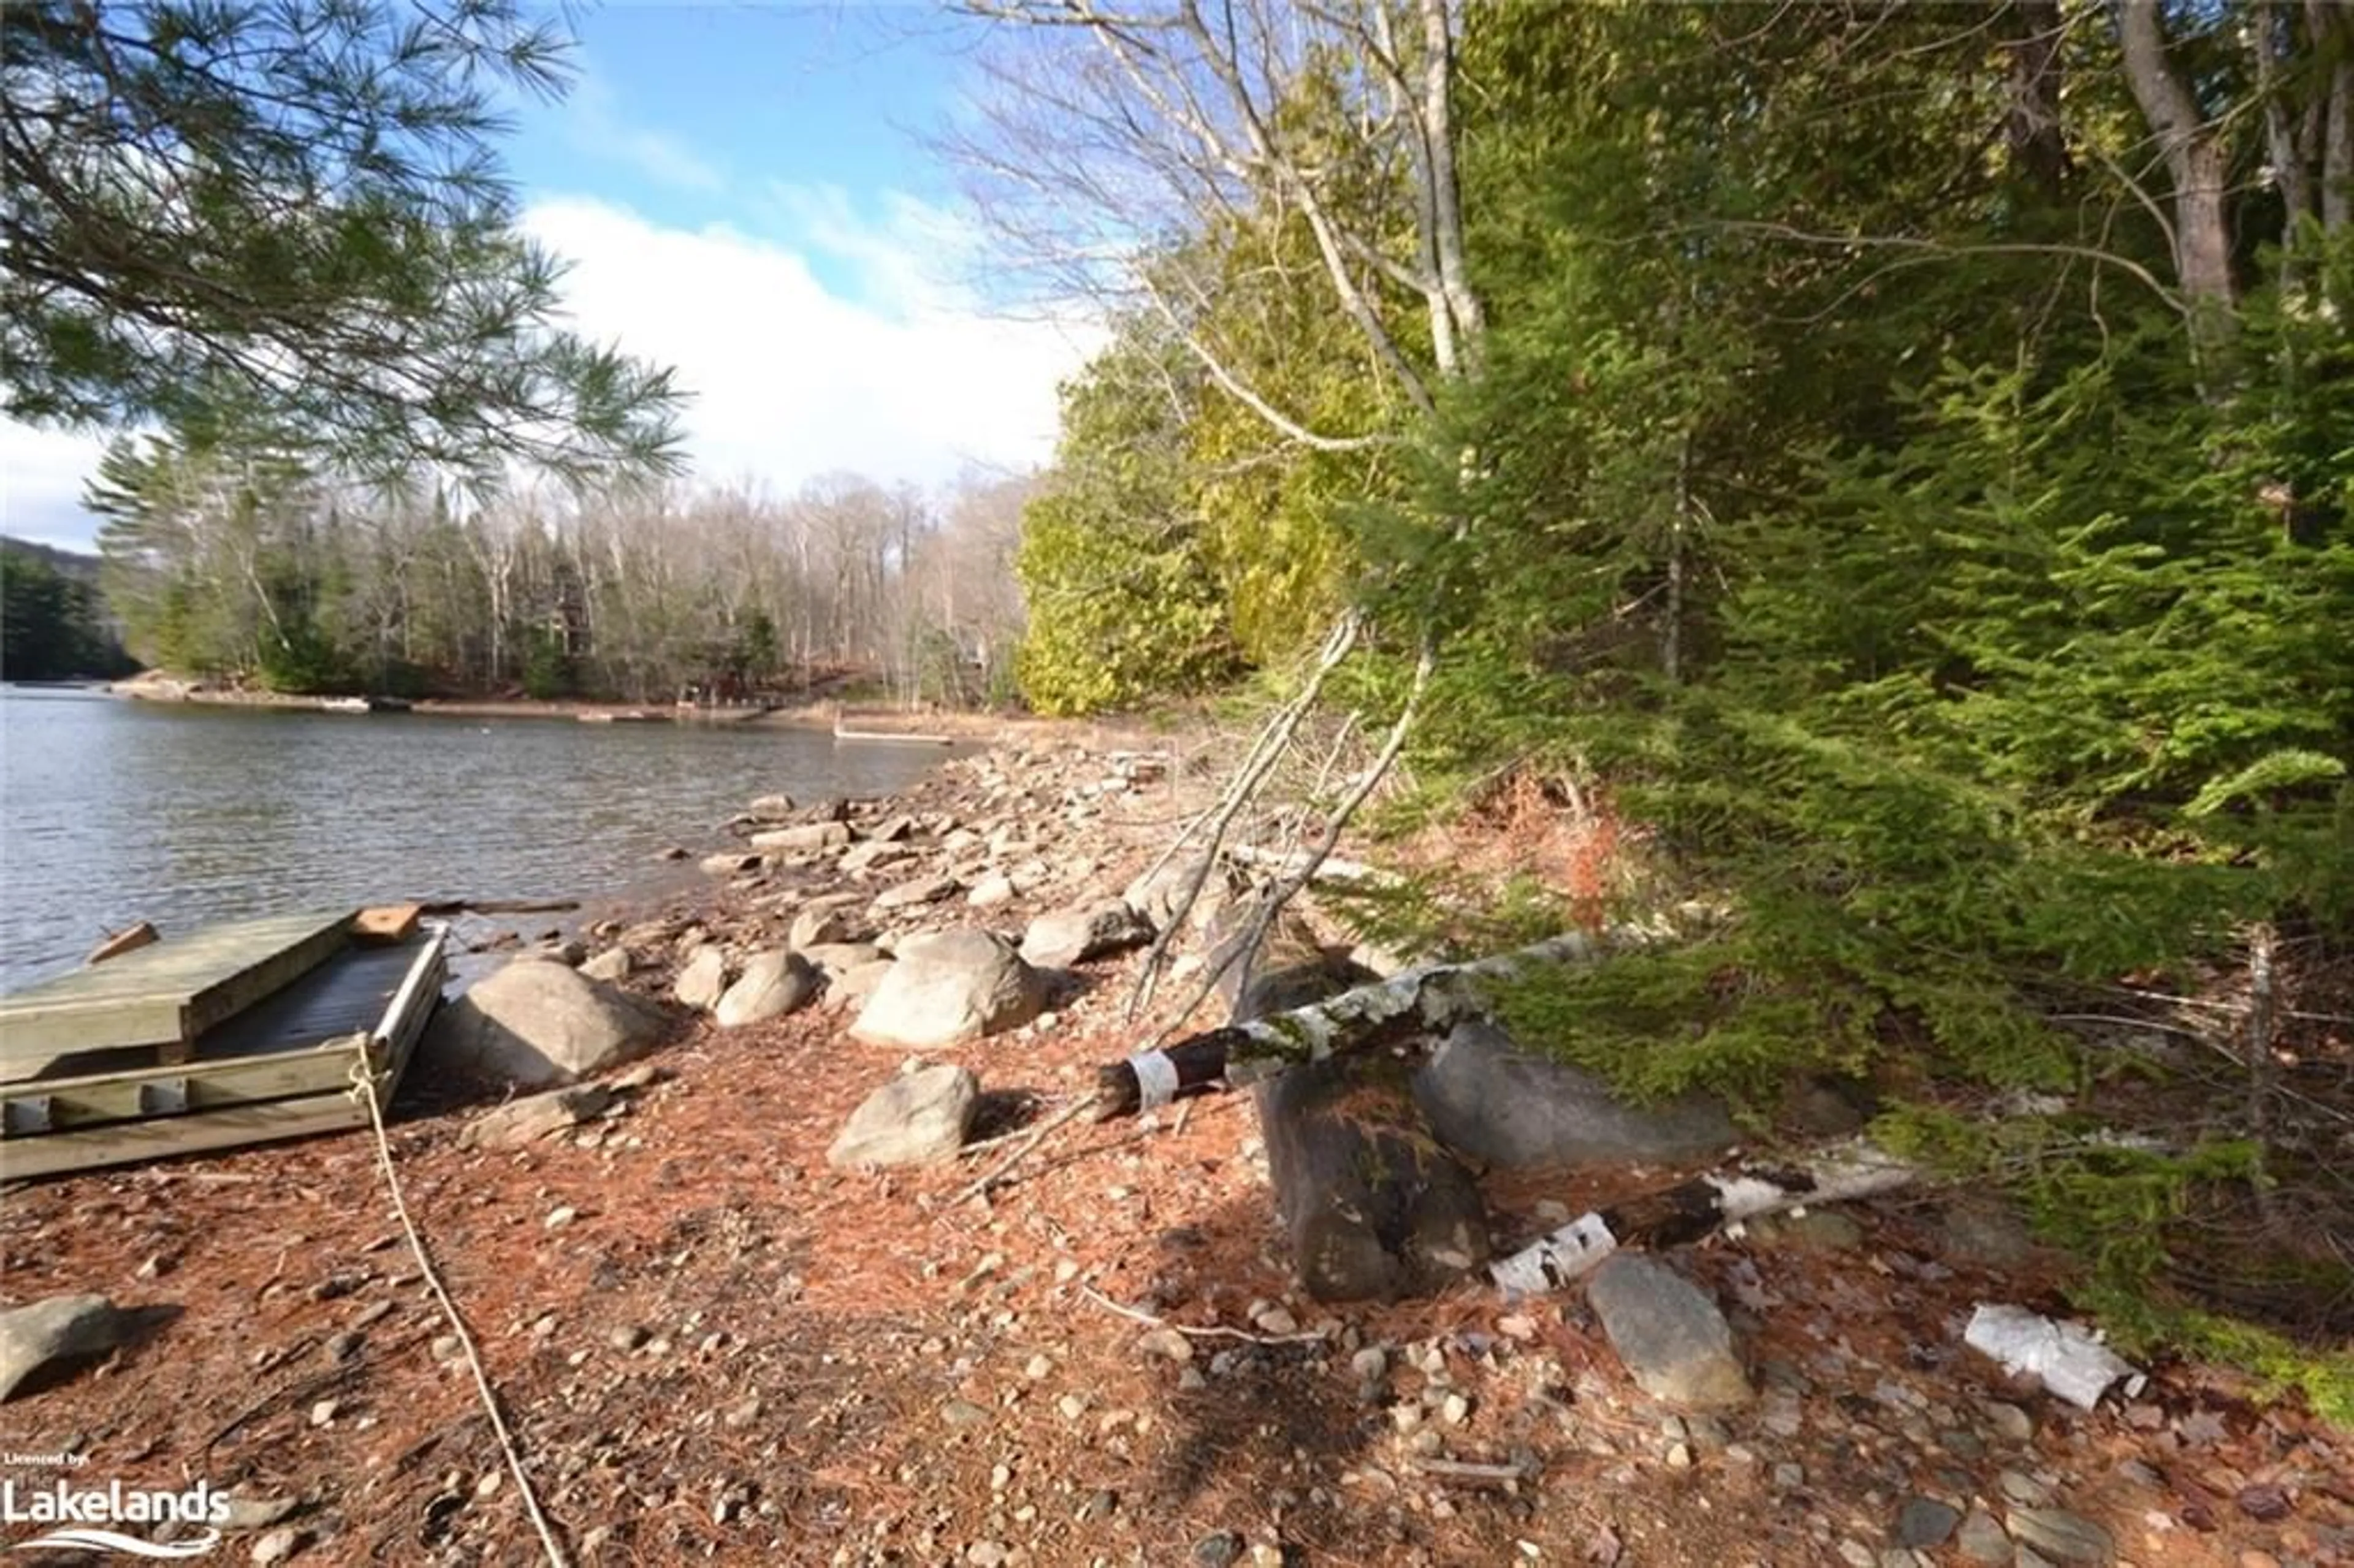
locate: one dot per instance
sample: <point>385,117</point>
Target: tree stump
<point>1375,1207</point>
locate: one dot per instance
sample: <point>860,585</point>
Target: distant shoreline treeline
<point>54,624</point>
<point>239,563</point>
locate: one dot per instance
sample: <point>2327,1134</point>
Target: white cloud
<point>911,381</point>
<point>41,476</point>
<point>593,124</point>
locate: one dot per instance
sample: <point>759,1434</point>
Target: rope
<point>363,1083</point>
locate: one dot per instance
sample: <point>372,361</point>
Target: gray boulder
<point>773,984</point>
<point>772,808</point>
<point>1494,1103</point>
<point>729,864</point>
<point>915,1118</point>
<point>1068,937</point>
<point>47,1337</point>
<point>534,1116</point>
<point>953,986</point>
<point>1155,894</point>
<point>534,1023</point>
<point>1675,1343</point>
<point>704,980</point>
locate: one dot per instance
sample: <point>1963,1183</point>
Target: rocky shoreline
<point>818,711</point>
<point>728,1323</point>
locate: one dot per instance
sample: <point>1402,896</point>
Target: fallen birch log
<point>1406,1010</point>
<point>1691,1210</point>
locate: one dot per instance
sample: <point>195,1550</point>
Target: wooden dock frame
<point>59,1126</point>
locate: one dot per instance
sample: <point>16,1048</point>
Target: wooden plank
<point>161,1138</point>
<point>165,995</point>
<point>193,1086</point>
<point>410,1010</point>
<point>128,940</point>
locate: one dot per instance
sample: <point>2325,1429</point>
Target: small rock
<point>1166,1343</point>
<point>772,984</point>
<point>1983,1230</point>
<point>1369,1364</point>
<point>1275,1320</point>
<point>1040,1366</point>
<point>1806,1230</point>
<point>324,1413</point>
<point>916,1118</point>
<point>279,1545</point>
<point>923,890</point>
<point>558,1217</point>
<point>2021,1487</point>
<point>258,1513</point>
<point>49,1337</point>
<point>2010,1423</point>
<point>807,836</point>
<point>1926,1522</point>
<point>2264,1503</point>
<point>2062,1536</point>
<point>824,925</point>
<point>1674,1341</point>
<point>1101,1504</point>
<point>1981,1538</point>
<point>534,1116</point>
<point>1216,1550</point>
<point>962,1412</point>
<point>1067,937</point>
<point>704,980</point>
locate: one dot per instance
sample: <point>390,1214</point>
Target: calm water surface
<point>113,811</point>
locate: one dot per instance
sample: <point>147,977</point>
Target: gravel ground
<point>711,1347</point>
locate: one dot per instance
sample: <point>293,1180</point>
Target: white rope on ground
<point>364,1086</point>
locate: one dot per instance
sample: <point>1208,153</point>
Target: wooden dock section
<point>163,996</point>
<point>281,1068</point>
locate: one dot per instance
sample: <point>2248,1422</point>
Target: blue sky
<point>743,192</point>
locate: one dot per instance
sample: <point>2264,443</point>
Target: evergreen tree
<point>292,215</point>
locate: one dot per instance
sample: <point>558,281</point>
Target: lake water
<point>113,811</point>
